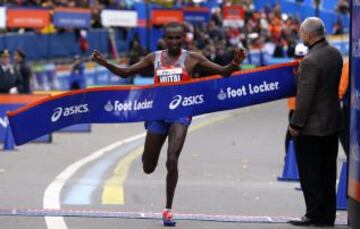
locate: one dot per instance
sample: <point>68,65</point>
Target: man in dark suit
<point>9,78</point>
<point>24,70</point>
<point>315,124</point>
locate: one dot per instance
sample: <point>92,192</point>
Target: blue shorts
<point>162,126</point>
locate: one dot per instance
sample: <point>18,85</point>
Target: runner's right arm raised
<point>124,72</point>
<point>204,63</point>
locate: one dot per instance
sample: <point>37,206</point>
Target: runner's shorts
<point>162,126</point>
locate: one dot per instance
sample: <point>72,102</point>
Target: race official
<point>9,77</point>
<point>316,123</point>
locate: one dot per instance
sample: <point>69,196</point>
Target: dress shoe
<point>304,221</point>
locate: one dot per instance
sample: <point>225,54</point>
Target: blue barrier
<point>45,46</point>
<point>48,78</point>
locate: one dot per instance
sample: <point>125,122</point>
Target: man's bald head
<point>311,30</point>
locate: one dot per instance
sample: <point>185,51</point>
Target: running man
<point>180,64</point>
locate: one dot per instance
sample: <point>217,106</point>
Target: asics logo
<point>175,102</point>
<point>57,114</point>
<point>68,111</point>
<point>186,101</point>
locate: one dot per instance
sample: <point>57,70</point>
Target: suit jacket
<point>317,110</point>
<point>8,79</point>
<point>25,73</point>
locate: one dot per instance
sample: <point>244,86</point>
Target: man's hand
<point>293,132</point>
<point>239,55</point>
<point>98,58</point>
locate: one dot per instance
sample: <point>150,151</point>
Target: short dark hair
<point>172,25</point>
<point>21,53</point>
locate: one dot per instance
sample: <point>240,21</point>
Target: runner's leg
<point>177,135</point>
<point>152,148</point>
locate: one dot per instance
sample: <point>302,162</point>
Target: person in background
<point>77,74</point>
<point>24,69</point>
<point>9,77</point>
<point>136,52</point>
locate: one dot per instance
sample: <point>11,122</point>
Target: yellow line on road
<point>113,190</point>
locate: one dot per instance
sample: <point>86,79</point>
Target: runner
<point>173,64</point>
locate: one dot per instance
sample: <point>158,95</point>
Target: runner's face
<point>174,38</point>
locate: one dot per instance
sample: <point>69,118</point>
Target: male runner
<point>170,65</point>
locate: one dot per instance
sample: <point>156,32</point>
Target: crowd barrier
<point>46,46</point>
<point>49,77</point>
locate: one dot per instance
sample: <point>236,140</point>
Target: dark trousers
<point>316,158</point>
<point>288,136</point>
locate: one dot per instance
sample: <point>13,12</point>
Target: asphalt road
<point>228,167</point>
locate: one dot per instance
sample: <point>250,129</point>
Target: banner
<point>72,17</point>
<point>13,102</point>
<point>28,18</point>
<point>196,14</point>
<point>233,16</point>
<point>162,17</point>
<point>2,17</point>
<point>119,18</point>
<point>140,103</point>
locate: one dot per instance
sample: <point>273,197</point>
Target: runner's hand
<point>97,57</point>
<point>239,55</point>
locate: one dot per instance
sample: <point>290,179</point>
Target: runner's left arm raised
<point>204,63</point>
<point>123,72</point>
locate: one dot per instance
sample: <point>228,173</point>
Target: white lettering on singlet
<point>169,75</point>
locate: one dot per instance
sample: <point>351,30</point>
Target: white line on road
<point>53,191</point>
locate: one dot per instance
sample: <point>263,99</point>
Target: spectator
<point>9,78</point>
<point>135,53</point>
<point>343,6</point>
<point>24,70</point>
<point>291,48</point>
<point>338,28</point>
<point>77,74</point>
<point>279,50</point>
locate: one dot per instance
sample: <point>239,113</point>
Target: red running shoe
<point>168,219</point>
